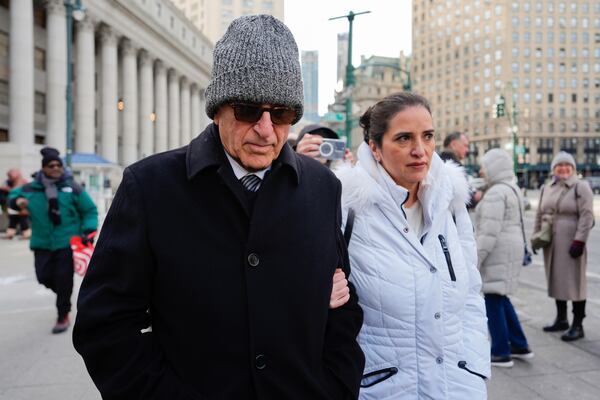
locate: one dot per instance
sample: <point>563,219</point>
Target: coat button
<point>432,270</point>
<point>253,259</point>
<point>259,362</point>
<point>439,360</point>
<point>437,315</point>
<point>405,229</point>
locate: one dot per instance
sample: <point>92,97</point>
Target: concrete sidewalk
<point>559,370</point>
<point>35,364</point>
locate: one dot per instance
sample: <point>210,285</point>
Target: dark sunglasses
<point>54,165</point>
<point>248,112</point>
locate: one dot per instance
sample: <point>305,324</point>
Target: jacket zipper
<point>463,365</point>
<point>385,373</point>
<point>447,255</point>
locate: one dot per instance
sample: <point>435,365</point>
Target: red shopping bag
<point>82,253</point>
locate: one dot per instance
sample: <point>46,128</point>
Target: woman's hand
<point>340,293</point>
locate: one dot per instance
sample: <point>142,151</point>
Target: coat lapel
<point>206,151</point>
<point>232,183</point>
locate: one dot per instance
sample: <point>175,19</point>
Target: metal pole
<point>349,83</point>
<point>512,121</point>
<point>408,85</point>
<point>349,76</point>
<point>69,94</point>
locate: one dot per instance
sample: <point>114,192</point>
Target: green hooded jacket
<point>77,210</point>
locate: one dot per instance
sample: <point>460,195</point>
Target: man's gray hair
<point>452,137</point>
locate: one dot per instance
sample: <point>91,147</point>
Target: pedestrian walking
<point>566,208</point>
<point>18,220</point>
<point>500,250</point>
<point>59,209</point>
<point>456,148</point>
<point>226,296</point>
<point>413,261</point>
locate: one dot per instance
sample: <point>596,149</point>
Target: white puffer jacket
<point>500,242</point>
<point>424,333</point>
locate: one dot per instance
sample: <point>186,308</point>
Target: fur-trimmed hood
<point>364,185</point>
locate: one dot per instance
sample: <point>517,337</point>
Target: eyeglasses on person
<point>54,165</point>
<point>250,112</point>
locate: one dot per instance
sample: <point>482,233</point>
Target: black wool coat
<point>237,300</point>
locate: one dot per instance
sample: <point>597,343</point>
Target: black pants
<point>15,220</point>
<point>54,269</point>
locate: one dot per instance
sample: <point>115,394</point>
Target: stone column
<point>160,108</point>
<point>556,144</point>
<point>130,103</point>
<point>196,111</point>
<point>56,75</point>
<point>533,150</point>
<point>204,120</point>
<point>21,74</point>
<point>580,156</point>
<point>85,93</point>
<point>146,105</point>
<point>109,117</point>
<point>185,112</point>
<point>173,124</point>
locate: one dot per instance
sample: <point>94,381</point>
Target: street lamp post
<point>500,111</point>
<point>349,75</point>
<point>74,10</point>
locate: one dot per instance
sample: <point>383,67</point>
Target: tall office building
<point>342,57</point>
<point>542,57</point>
<point>310,78</point>
<point>213,17</point>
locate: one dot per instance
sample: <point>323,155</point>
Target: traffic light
<point>500,109</point>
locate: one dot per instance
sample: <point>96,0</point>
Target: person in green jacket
<point>59,209</point>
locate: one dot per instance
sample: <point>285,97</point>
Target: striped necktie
<point>251,182</point>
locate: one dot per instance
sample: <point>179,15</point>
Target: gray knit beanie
<point>256,61</point>
<point>563,157</point>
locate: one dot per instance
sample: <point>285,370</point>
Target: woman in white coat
<point>413,261</point>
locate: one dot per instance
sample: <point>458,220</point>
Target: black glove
<point>576,249</point>
<point>88,237</point>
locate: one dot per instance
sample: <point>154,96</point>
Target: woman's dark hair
<point>375,120</point>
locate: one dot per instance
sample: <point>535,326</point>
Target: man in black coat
<point>213,272</point>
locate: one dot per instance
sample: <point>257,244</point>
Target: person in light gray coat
<point>500,250</point>
<point>569,202</point>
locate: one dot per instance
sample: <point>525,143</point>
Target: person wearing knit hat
<point>566,206</point>
<point>227,295</point>
<point>60,209</point>
<point>50,154</point>
<point>562,157</point>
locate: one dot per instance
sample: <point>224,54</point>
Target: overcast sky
<point>384,32</point>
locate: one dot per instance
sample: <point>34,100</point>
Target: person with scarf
<point>59,209</point>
